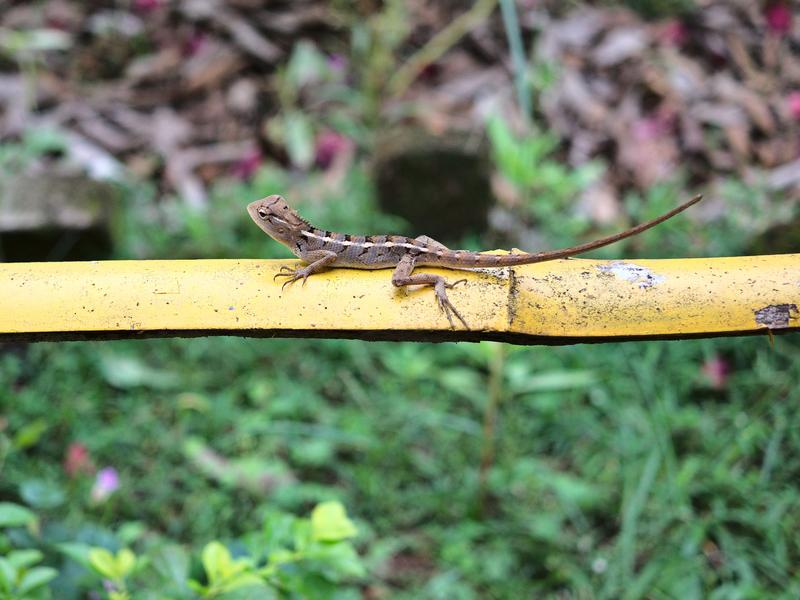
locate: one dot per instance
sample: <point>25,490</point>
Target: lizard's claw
<point>444,302</point>
<point>284,272</point>
<point>292,275</point>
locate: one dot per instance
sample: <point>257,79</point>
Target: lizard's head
<point>274,216</point>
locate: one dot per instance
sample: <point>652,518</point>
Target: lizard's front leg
<point>317,259</point>
<point>401,276</point>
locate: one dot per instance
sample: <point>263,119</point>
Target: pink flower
<point>793,101</point>
<point>77,460</point>
<point>194,44</point>
<point>779,17</point>
<point>674,33</point>
<point>328,146</point>
<point>246,167</point>
<point>716,371</point>
<point>105,484</point>
<point>147,6</point>
<point>654,127</point>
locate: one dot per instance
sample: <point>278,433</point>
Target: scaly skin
<point>322,249</point>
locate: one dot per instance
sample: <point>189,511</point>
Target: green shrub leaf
<point>36,578</point>
<point>103,562</point>
<point>329,523</point>
<point>14,515</point>
<point>216,561</point>
<point>22,559</point>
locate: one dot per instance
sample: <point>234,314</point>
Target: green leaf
<point>77,552</point>
<point>14,515</point>
<point>216,559</point>
<point>40,140</point>
<point>255,591</point>
<point>223,572</point>
<point>32,40</point>
<point>29,434</point>
<point>22,559</point>
<point>127,371</point>
<point>126,561</point>
<point>306,65</point>
<point>522,160</point>
<point>8,575</point>
<point>131,531</point>
<point>279,557</point>
<point>299,139</point>
<point>103,562</point>
<point>575,491</point>
<point>242,580</point>
<point>301,534</point>
<point>41,493</point>
<point>172,563</point>
<point>36,578</point>
<point>522,381</point>
<point>329,523</point>
<point>278,530</point>
<point>339,561</point>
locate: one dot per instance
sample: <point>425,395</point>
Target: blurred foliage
<point>639,470</point>
<point>310,558</point>
<point>34,144</point>
<point>547,186</point>
<point>311,78</point>
<point>27,47</point>
<point>375,41</point>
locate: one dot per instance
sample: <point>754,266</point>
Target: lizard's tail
<point>495,260</point>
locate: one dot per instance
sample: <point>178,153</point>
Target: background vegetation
<point>221,467</point>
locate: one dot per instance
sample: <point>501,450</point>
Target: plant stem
<point>520,63</point>
<point>495,394</point>
<point>438,45</point>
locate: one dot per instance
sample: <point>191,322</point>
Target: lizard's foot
<point>444,302</point>
<point>292,275</point>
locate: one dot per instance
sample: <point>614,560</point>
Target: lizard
<point>321,249</point>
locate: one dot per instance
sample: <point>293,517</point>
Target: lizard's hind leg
<point>402,276</point>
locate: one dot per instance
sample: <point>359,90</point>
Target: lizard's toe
<point>284,271</point>
<point>447,307</point>
<point>293,275</point>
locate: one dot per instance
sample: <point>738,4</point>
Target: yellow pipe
<point>556,302</point>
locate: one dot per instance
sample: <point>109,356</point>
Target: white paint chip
<point>632,273</point>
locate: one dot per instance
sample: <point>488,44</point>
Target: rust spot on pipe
<point>776,316</point>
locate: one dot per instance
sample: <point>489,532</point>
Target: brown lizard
<point>322,249</point>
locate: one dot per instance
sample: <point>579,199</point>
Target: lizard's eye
<point>262,213</point>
